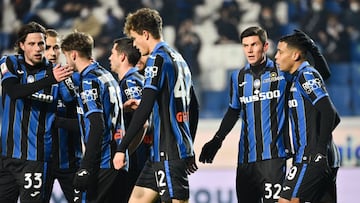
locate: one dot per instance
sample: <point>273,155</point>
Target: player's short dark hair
<point>125,45</point>
<point>78,41</point>
<point>255,31</point>
<point>144,19</point>
<point>293,41</point>
<point>31,27</point>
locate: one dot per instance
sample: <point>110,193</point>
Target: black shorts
<point>65,178</point>
<point>260,181</point>
<point>9,190</point>
<point>23,178</point>
<point>168,178</point>
<point>309,182</point>
<point>101,188</point>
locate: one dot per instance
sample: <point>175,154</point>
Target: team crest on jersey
<point>89,95</point>
<point>311,85</point>
<point>151,71</point>
<point>273,77</point>
<point>30,79</point>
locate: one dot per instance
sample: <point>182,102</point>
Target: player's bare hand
<point>131,105</point>
<point>119,160</point>
<point>62,72</point>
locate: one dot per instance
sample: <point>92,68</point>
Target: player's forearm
<point>327,120</point>
<point>93,144</point>
<point>139,118</point>
<point>194,114</point>
<point>227,123</point>
<point>16,90</point>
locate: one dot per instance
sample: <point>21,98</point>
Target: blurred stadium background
<point>206,32</point>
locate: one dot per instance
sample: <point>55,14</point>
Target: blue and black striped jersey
<point>260,98</point>
<point>67,149</point>
<point>168,74</point>
<point>27,121</point>
<point>100,92</point>
<point>131,86</point>
<point>307,89</point>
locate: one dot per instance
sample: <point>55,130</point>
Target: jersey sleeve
<point>91,96</point>
<point>312,85</point>
<point>153,72</point>
<point>234,91</point>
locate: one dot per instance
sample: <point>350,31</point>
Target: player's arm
<point>71,124</point>
<point>193,113</point>
<point>210,149</point>
<point>15,90</point>
<point>139,118</point>
<point>328,118</point>
<point>92,151</point>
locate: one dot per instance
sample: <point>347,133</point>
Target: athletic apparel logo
<point>34,194</point>
<point>83,173</point>
<point>318,158</point>
<point>161,192</point>
<point>286,188</point>
<point>242,84</point>
<point>20,72</point>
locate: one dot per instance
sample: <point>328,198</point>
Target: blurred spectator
<point>188,44</point>
<point>270,23</point>
<point>24,13</point>
<point>314,21</point>
<point>336,42</point>
<point>351,19</point>
<point>129,6</point>
<point>177,11</point>
<point>87,22</point>
<point>70,10</point>
<point>227,23</point>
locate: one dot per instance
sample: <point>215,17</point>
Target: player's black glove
<point>210,149</point>
<point>82,179</point>
<point>319,60</point>
<point>191,165</point>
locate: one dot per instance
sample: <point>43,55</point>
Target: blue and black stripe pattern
<point>100,92</point>
<point>167,73</point>
<point>26,123</point>
<point>260,97</point>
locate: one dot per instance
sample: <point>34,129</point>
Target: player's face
<point>115,59</point>
<point>52,49</point>
<point>69,56</point>
<point>254,49</point>
<point>141,41</point>
<point>33,47</point>
<point>284,57</point>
